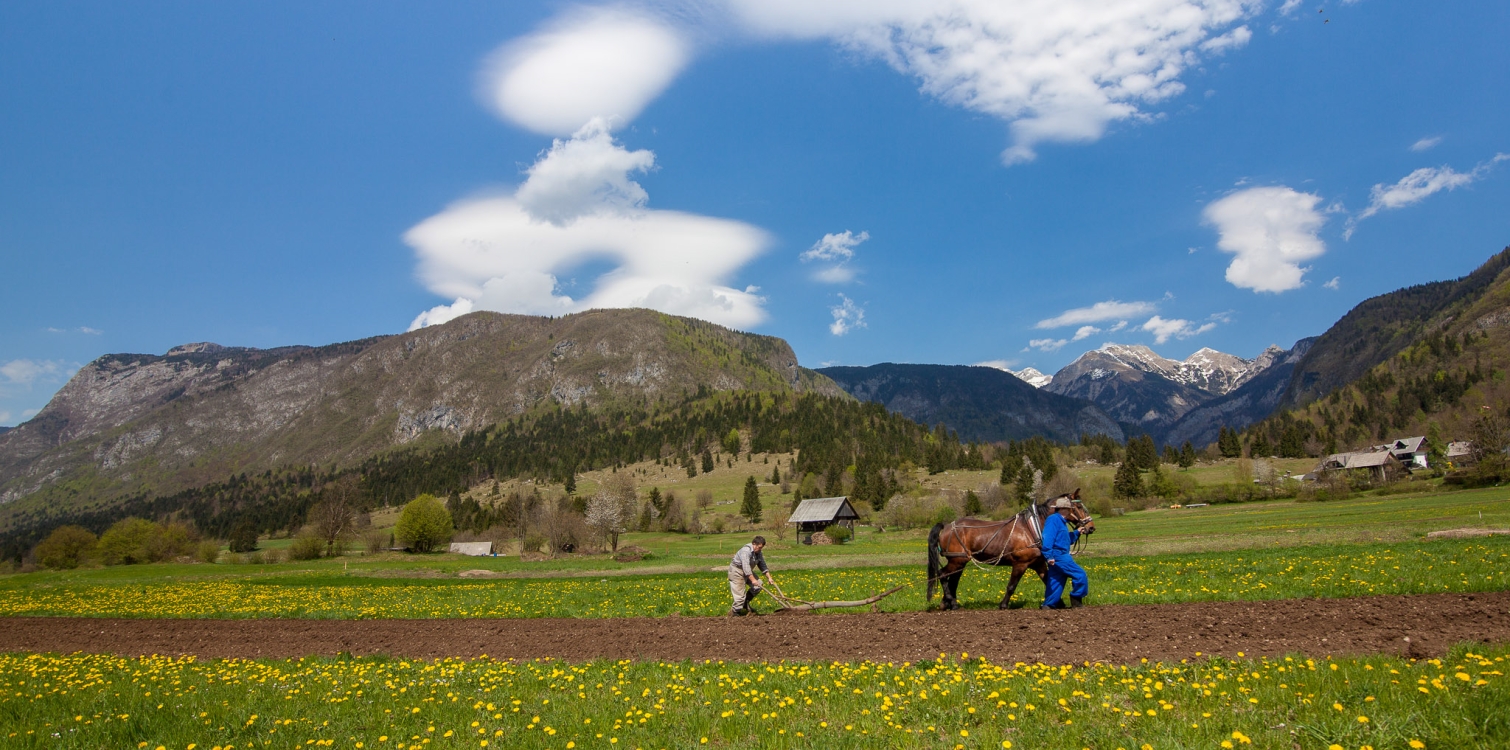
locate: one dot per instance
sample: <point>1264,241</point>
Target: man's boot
<point>1076,602</point>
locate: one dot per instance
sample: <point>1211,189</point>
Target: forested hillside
<point>140,424</point>
<point>852,446</point>
<point>1430,359</point>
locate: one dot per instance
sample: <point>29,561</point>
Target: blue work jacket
<point>1057,537</point>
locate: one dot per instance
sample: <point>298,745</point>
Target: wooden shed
<point>819,513</point>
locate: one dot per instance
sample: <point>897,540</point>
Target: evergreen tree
<point>707,461</point>
<point>750,508</point>
<point>1228,443</point>
<point>1011,466</point>
<point>244,537</point>
<point>1127,482</point>
<point>1260,447</point>
<point>1187,455</point>
<point>972,503</point>
<point>1171,456</point>
<point>571,482</point>
<point>1022,490</point>
<point>776,474</point>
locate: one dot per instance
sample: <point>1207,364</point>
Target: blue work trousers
<point>1065,567</point>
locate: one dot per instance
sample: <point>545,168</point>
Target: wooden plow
<point>792,604</point>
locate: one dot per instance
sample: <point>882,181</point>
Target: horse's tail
<point>934,565</point>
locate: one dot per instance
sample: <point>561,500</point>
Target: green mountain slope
<point>1397,364</point>
<point>145,425</point>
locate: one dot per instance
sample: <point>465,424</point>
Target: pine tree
<point>1187,455</point>
<point>707,461</point>
<point>1260,447</point>
<point>750,508</point>
<point>1011,466</point>
<point>1022,490</point>
<point>1228,443</point>
<point>776,474</point>
<point>972,503</point>
<point>1127,482</point>
<point>1171,456</point>
<point>571,482</point>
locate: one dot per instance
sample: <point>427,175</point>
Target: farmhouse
<point>1380,464</point>
<point>819,513</point>
<point>1409,451</point>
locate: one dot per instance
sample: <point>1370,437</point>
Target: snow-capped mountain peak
<point>1032,377</point>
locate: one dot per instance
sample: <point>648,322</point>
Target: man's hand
<point>1051,562</point>
<point>769,579</point>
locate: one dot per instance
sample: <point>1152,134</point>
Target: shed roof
<point>823,510</point>
<point>1358,460</point>
<point>1459,448</point>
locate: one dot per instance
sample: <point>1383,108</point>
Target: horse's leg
<point>1018,569</point>
<point>952,573</point>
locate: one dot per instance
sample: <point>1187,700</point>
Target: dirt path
<point>1409,625</point>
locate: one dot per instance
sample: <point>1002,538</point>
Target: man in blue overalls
<point>1057,538</point>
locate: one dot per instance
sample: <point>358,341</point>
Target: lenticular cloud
<point>602,62</point>
<point>579,206</point>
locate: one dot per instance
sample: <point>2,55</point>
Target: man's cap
<point>1062,502</point>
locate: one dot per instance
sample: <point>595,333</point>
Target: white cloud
<point>1163,330</point>
<point>1335,283</point>
<point>24,372</point>
<point>1418,186</point>
<point>1270,230</point>
<point>1119,326</point>
<point>1046,345</point>
<point>1426,144</point>
<point>81,329</point>
<point>847,316</point>
<point>587,173</point>
<point>4,416</point>
<point>1108,310</point>
<point>29,413</point>
<point>999,364</point>
<point>603,62</point>
<point>1053,70</point>
<point>1289,7</point>
<point>503,253</point>
<point>838,249</point>
<point>442,314</point>
<point>835,247</point>
<point>1085,332</point>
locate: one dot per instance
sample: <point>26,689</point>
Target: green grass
<point>91,701</point>
<point>1261,574</point>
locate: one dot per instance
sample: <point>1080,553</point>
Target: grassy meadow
<point>94,701</point>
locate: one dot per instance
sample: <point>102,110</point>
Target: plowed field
<point>1416,626</point>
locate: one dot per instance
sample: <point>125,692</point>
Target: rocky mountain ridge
<point>1031,376</point>
<point>202,412</point>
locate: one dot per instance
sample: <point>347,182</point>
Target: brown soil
<point>1416,626</point>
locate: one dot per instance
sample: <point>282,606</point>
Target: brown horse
<point>1015,541</point>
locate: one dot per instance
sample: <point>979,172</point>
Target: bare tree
<point>334,516</point>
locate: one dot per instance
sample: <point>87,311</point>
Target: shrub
<point>944,514</point>
<point>125,542</point>
<point>208,552</point>
<point>64,548</point>
<point>306,547</point>
<point>838,533</point>
<point>244,537</point>
<point>170,541</point>
<point>424,525</point>
<point>376,541</point>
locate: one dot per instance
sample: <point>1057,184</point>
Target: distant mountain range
<point>980,403</point>
<point>145,426</point>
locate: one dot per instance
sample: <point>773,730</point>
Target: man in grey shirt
<point>744,585</point>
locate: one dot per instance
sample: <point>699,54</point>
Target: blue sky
<point>263,174</point>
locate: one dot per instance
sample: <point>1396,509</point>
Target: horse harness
<point>1033,523</point>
